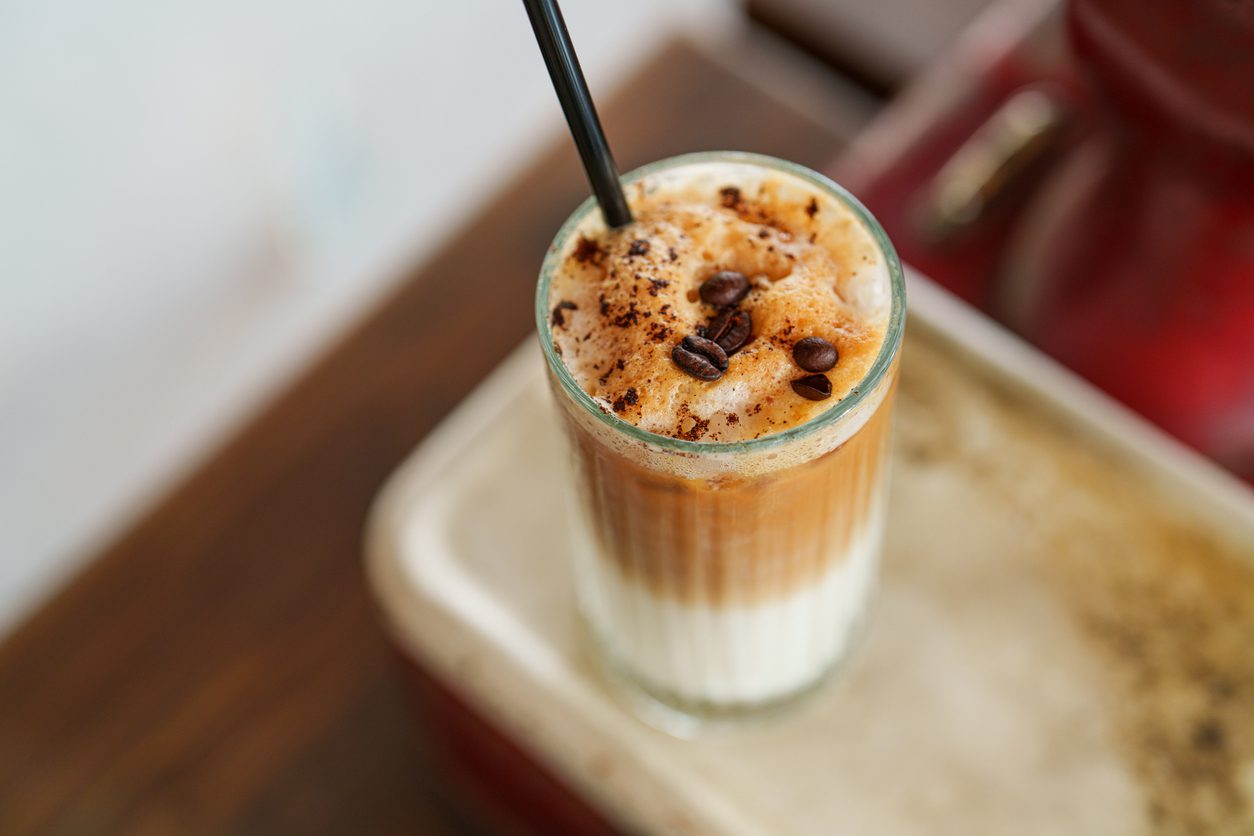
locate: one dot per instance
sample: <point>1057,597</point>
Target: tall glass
<point>720,579</point>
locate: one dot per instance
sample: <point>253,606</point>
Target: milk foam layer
<point>622,299</point>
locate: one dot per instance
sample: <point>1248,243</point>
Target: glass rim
<point>862,389</point>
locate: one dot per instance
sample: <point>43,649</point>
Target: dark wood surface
<point>219,668</point>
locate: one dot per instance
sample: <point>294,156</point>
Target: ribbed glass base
<point>689,719</point>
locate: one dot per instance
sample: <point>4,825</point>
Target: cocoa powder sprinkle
<point>588,251</point>
<point>559,318</point>
<point>700,426</point>
<point>627,318</point>
<point>659,333</point>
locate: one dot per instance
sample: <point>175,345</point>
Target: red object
<point>489,776</point>
<point>1126,251</point>
<point>966,266</point>
<point>1143,280</point>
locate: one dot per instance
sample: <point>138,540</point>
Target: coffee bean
<point>707,348</point>
<point>701,358</point>
<point>725,289</point>
<point>816,387</point>
<point>815,354</point>
<point>730,329</point>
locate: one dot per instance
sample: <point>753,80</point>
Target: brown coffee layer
<point>732,539</point>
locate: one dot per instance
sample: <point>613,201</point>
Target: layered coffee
<point>724,365</point>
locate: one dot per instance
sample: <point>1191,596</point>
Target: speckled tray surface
<point>1062,642</point>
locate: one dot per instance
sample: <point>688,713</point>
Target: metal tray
<point>1062,641</point>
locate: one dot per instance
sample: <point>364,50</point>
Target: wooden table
<point>219,668</point>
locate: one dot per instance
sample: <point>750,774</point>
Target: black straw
<point>581,115</point>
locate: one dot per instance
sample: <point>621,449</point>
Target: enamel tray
<point>1062,641</point>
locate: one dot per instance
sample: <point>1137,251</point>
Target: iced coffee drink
<point>724,368</point>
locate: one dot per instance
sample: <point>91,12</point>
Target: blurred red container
<point>1139,267</point>
<point>1117,232</point>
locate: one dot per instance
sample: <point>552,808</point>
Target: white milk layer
<point>730,654</point>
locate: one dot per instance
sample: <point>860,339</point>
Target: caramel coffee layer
<point>732,540</point>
